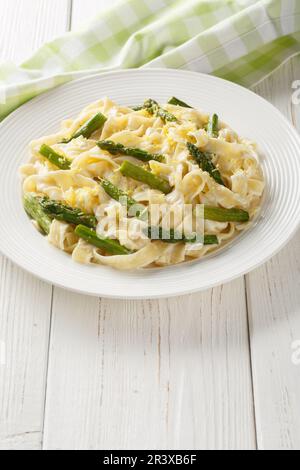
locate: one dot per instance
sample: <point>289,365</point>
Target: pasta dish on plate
<point>142,186</point>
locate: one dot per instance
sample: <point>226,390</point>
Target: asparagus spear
<point>213,126</point>
<point>35,211</point>
<point>220,214</point>
<point>58,160</point>
<point>59,211</point>
<point>153,108</point>
<point>170,236</point>
<point>115,193</point>
<point>112,247</point>
<point>139,174</point>
<point>140,154</point>
<point>175,101</point>
<point>89,127</point>
<point>211,240</point>
<point>138,107</point>
<point>205,162</point>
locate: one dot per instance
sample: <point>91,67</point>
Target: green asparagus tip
<point>120,149</point>
<point>153,108</point>
<point>176,102</point>
<point>55,158</point>
<point>144,176</point>
<point>213,126</point>
<point>71,215</point>
<point>91,126</point>
<point>36,212</point>
<point>204,160</point>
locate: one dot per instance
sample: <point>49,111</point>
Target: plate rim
<point>180,291</point>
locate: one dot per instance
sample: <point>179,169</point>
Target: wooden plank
<point>274,309</point>
<point>24,331</point>
<point>25,26</point>
<point>171,373</point>
<point>25,302</point>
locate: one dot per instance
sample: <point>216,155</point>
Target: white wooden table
<point>213,370</point>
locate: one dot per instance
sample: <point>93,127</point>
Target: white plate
<point>247,113</point>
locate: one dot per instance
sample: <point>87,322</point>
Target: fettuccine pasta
<point>92,187</point>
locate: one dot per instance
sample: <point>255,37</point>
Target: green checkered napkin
<point>240,40</point>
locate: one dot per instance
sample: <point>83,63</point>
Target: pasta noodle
<point>223,173</point>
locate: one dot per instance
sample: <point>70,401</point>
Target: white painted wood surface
<point>274,312</point>
<point>134,374</point>
<point>174,373</point>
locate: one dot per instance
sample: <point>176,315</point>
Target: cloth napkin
<point>239,40</point>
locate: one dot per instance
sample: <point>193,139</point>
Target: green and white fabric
<point>240,40</point>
